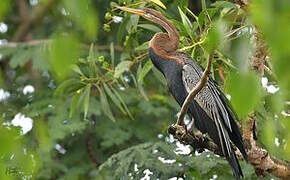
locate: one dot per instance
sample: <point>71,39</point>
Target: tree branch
<point>23,11</point>
<point>196,141</point>
<point>37,14</point>
<point>258,157</point>
<point>38,42</point>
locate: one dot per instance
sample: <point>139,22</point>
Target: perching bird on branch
<point>209,109</point>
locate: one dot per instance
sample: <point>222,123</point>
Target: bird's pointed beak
<point>131,10</point>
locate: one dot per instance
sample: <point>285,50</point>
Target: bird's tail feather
<point>230,155</point>
<point>233,161</point>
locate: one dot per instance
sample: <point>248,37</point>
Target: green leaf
<point>272,19</point>
<point>196,19</point>
<point>140,84</point>
<point>77,69</point>
<point>21,57</point>
<point>268,133</point>
<point>150,27</point>
<point>144,46</point>
<point>132,24</point>
<point>40,60</point>
<point>68,86</point>
<point>122,102</point>
<point>4,8</point>
<point>112,54</point>
<point>203,5</point>
<point>224,4</point>
<point>121,68</point>
<point>5,52</point>
<point>215,36</point>
<point>245,92</point>
<point>159,3</point>
<point>83,14</point>
<point>133,161</point>
<point>87,100</point>
<point>8,138</point>
<point>186,22</point>
<point>1,78</point>
<point>74,103</point>
<point>147,67</point>
<point>91,52</point>
<point>105,105</point>
<point>113,98</point>
<point>241,52</point>
<point>64,52</point>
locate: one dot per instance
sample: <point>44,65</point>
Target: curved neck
<point>170,43</point>
<point>171,30</point>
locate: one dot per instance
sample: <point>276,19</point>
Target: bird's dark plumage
<point>209,110</point>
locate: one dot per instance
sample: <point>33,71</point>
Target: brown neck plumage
<point>165,45</point>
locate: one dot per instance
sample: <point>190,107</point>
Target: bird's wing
<point>209,100</point>
<point>209,95</point>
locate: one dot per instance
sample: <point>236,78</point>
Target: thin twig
<point>202,82</point>
<point>25,44</point>
<point>33,43</point>
<point>235,30</point>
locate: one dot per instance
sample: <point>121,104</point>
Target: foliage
<point>165,164</point>
<point>99,105</point>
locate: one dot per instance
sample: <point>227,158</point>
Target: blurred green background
<point>79,98</point>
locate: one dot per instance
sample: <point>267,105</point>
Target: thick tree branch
<point>258,157</point>
<point>22,9</point>
<point>196,141</point>
<point>90,150</point>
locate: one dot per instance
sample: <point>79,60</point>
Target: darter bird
<point>209,109</point>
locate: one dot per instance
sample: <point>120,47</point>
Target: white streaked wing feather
<point>208,95</point>
<point>209,100</point>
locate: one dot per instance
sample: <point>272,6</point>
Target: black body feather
<point>209,109</point>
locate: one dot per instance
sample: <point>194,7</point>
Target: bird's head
<point>147,13</point>
<point>161,42</point>
<point>155,17</point>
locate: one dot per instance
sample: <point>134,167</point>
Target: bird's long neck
<point>165,44</point>
<point>172,33</point>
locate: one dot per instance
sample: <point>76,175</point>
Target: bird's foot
<point>199,140</point>
<point>203,139</point>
